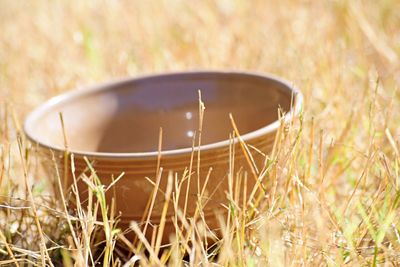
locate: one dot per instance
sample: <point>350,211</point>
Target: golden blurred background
<point>327,48</point>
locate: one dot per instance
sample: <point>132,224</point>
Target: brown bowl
<point>116,125</point>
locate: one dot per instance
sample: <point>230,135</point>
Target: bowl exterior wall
<point>133,192</point>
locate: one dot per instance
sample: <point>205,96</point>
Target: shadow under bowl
<point>117,127</point>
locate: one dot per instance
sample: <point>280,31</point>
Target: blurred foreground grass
<point>338,187</point>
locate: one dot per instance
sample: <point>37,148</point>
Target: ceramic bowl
<point>117,126</point>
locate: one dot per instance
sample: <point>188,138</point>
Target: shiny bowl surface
<point>117,127</point>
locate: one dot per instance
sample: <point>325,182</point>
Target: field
<point>333,187</point>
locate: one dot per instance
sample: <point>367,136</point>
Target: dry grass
<point>333,180</point>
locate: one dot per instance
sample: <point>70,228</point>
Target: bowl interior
<point>125,117</point>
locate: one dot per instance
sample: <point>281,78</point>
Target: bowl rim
<point>296,109</point>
